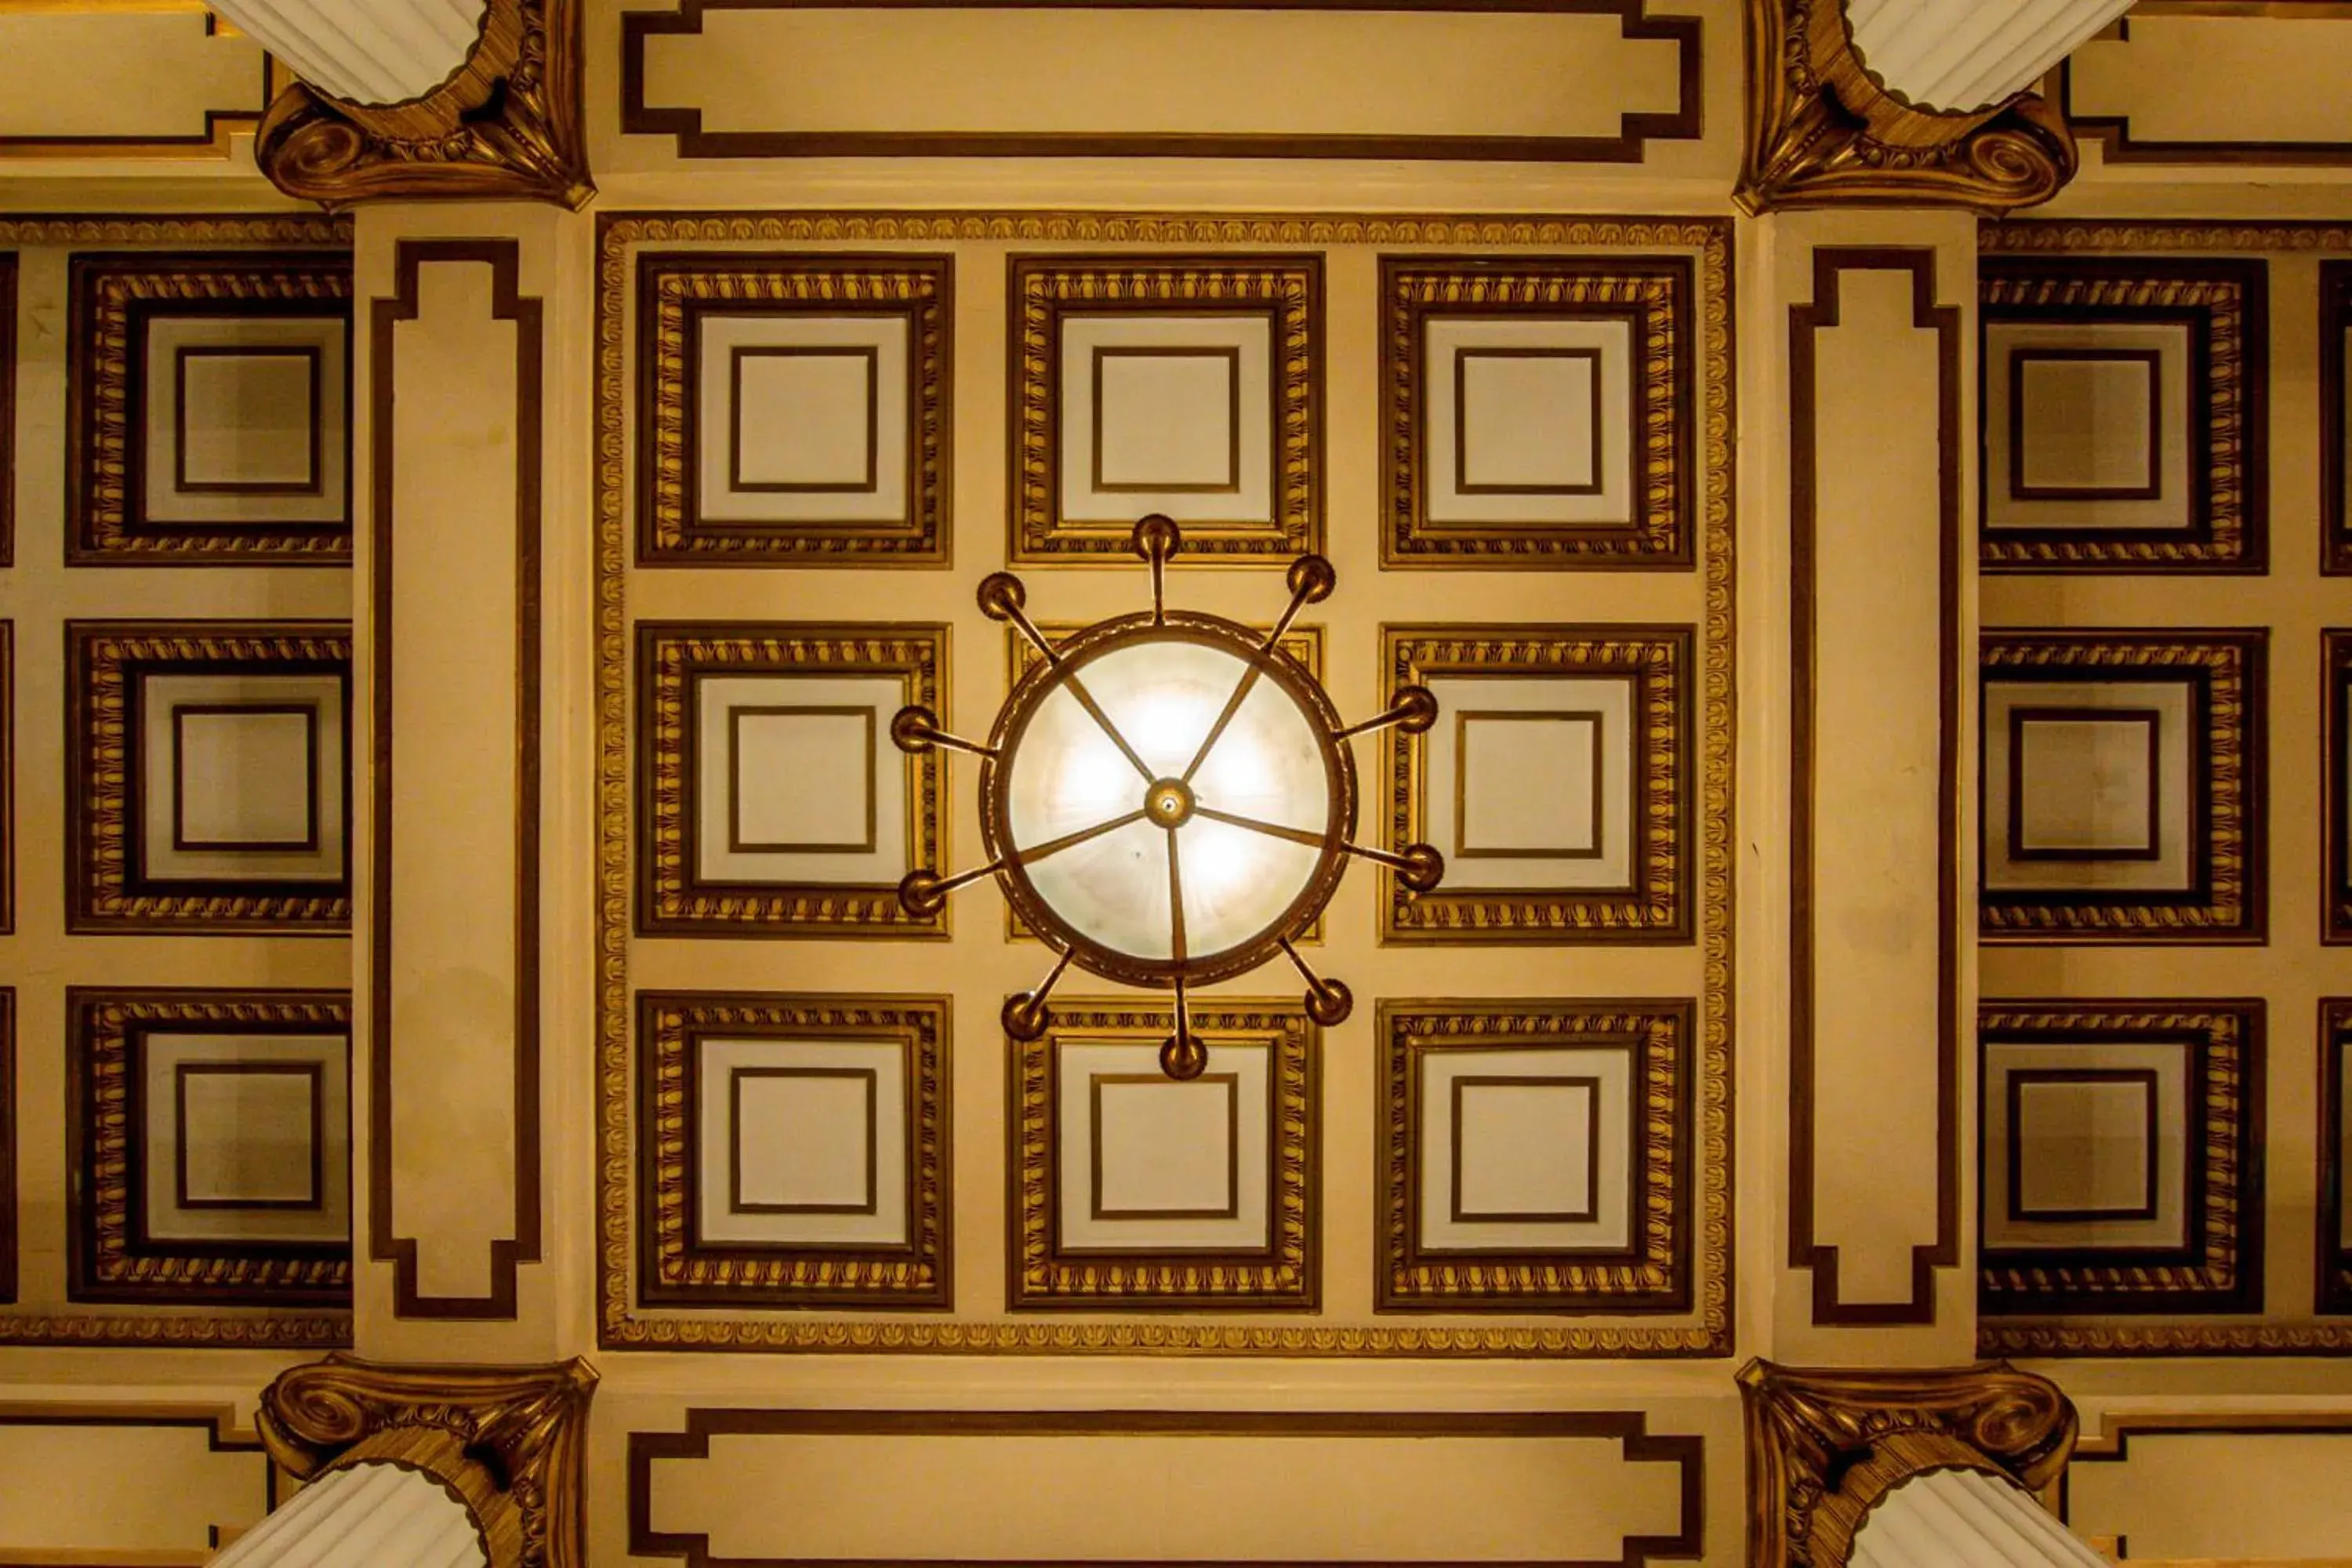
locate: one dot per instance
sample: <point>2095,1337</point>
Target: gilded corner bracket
<point>1825,1445</point>
<point>1823,132</point>
<point>512,1442</point>
<point>507,124</point>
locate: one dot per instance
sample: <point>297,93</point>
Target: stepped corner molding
<point>512,1442</point>
<point>1824,131</point>
<point>1824,1446</point>
<point>507,124</point>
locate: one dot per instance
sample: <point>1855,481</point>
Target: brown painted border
<point>1629,145</point>
<point>869,359</point>
<point>8,1215</point>
<point>1630,1428</point>
<point>1284,1274</point>
<point>314,459</point>
<point>1233,1204</point>
<point>2151,1138</point>
<point>1655,1272</point>
<point>215,143</point>
<point>106,664</point>
<point>222,1436</point>
<point>1232,356</point>
<point>8,734</point>
<point>2020,716</point>
<point>1655,297</point>
<point>1659,662</point>
<point>311,1073</point>
<point>672,656</point>
<point>1831,264</point>
<point>2334,420</point>
<point>1041,292</point>
<point>2334,1274</point>
<point>2228,752</point>
<point>676,1267</point>
<point>108,1255</point>
<point>2117,145</point>
<point>2151,363</point>
<point>677,291</point>
<point>1708,1333</point>
<point>2221,1269</point>
<point>113,298</point>
<point>2117,1429</point>
<point>314,770</point>
<point>2224,304</point>
<point>504,258</point>
<point>2336,786</point>
<point>736,843</point>
<point>8,409</point>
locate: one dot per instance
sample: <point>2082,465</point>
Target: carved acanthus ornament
<point>511,1441</point>
<point>507,124</point>
<point>1823,1447</point>
<point>1823,129</point>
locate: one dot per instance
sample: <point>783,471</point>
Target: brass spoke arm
<point>1271,829</point>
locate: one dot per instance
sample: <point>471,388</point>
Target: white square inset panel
<point>246,420</point>
<point>2073,1133</point>
<point>1143,1168</point>
<point>1527,419</point>
<point>1167,419</point>
<point>2068,408</point>
<point>2085,1141</point>
<point>2087,783</point>
<point>2089,424</point>
<point>1530,782</point>
<point>803,779</point>
<point>249,1135</point>
<point>241,778</point>
<point>802,420</point>
<point>2070,797</point>
<point>244,1137</point>
<point>796,780</point>
<point>1525,1149</point>
<point>1533,784</point>
<point>1164,1150</point>
<point>1529,1149</point>
<point>1167,414</point>
<point>804,1139</point>
<point>245,777</point>
<point>800,1142</point>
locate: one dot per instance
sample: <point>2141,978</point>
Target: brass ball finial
<point>1424,867</point>
<point>1157,537</point>
<point>1001,597</point>
<point>1311,578</point>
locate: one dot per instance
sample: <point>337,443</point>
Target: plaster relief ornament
<point>1168,798</point>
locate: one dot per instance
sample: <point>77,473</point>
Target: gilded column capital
<point>1825,131</point>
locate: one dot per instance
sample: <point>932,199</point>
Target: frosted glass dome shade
<point>1169,799</point>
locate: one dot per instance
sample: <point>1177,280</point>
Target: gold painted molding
<point>511,1441</point>
<point>507,124</point>
<point>1823,132</point>
<point>1824,1445</point>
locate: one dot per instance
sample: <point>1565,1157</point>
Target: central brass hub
<point>1169,803</point>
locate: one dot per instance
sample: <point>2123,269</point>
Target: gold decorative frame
<point>104,663</point>
<point>671,656</point>
<point>1824,1446</point>
<point>2230,903</point>
<point>1285,1275</point>
<point>511,1441</point>
<point>676,1268</point>
<point>1709,1333</point>
<point>1653,1274</point>
<point>2220,1270</point>
<point>2336,786</point>
<point>507,124</point>
<point>1286,289</point>
<point>2334,1256</point>
<point>1652,297</point>
<point>2224,306</point>
<point>107,1261</point>
<point>1657,660</point>
<point>677,290</point>
<point>1303,643</point>
<point>1822,131</point>
<point>113,296</point>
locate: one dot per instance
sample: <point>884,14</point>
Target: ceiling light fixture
<point>1168,799</point>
